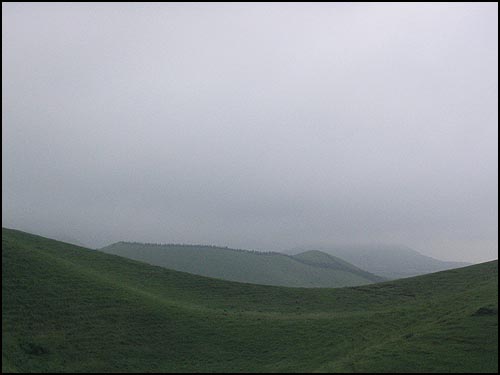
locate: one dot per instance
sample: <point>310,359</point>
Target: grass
<point>69,309</point>
<point>309,269</point>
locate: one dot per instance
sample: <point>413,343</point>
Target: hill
<point>391,262</point>
<point>67,309</point>
<point>247,266</point>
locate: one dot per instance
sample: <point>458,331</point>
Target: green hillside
<point>323,260</point>
<point>69,309</point>
<point>248,266</point>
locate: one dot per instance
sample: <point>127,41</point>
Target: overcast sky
<point>259,126</point>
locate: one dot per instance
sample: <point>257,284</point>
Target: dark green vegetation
<point>310,269</point>
<point>391,262</point>
<point>65,308</point>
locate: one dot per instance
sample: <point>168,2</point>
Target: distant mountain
<point>392,262</point>
<point>310,269</point>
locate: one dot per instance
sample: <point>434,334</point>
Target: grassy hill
<point>68,309</point>
<point>323,260</point>
<point>391,262</point>
<point>248,266</point>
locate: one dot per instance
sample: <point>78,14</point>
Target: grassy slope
<point>323,260</point>
<point>68,309</point>
<point>246,266</point>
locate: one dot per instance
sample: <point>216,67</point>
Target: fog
<point>262,126</point>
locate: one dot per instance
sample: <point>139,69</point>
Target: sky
<point>265,126</point>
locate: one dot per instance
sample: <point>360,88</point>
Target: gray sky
<point>262,126</point>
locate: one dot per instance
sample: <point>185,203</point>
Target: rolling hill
<point>302,270</point>
<point>68,309</point>
<point>389,261</point>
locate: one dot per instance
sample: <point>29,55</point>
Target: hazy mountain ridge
<point>269,268</point>
<point>389,261</point>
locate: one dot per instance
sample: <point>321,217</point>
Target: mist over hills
<point>250,126</point>
<point>310,269</point>
<point>390,261</point>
